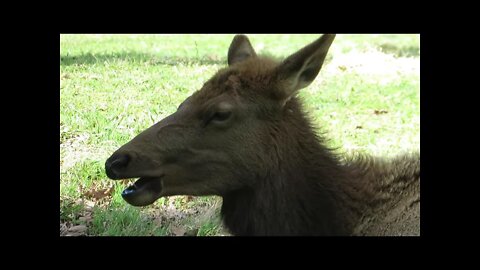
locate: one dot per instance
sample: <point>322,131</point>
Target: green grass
<point>366,98</point>
<point>123,221</point>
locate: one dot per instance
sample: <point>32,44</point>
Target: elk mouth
<point>145,191</point>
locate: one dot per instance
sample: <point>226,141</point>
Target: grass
<point>366,98</point>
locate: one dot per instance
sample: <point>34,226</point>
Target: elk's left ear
<point>300,69</point>
<point>240,49</point>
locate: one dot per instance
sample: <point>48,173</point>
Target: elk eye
<point>221,116</point>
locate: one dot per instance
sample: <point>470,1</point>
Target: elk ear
<point>240,49</point>
<point>300,69</point>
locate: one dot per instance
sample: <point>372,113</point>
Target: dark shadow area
<point>400,51</point>
<point>100,59</point>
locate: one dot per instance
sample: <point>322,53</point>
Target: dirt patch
<point>75,223</point>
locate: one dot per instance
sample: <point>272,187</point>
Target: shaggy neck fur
<point>305,192</point>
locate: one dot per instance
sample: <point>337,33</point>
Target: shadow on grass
<point>400,51</point>
<point>155,59</point>
<point>135,57</point>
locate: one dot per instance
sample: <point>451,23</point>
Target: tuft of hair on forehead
<point>256,66</point>
<point>251,77</point>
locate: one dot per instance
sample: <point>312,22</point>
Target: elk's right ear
<point>240,49</point>
<point>300,69</point>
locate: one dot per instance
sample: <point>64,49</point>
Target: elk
<point>244,136</point>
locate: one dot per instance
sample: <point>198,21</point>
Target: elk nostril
<point>116,164</point>
<point>121,162</point>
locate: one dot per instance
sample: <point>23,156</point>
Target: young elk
<point>245,137</point>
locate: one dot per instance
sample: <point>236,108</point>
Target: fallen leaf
<point>158,221</point>
<point>77,230</point>
<point>89,205</point>
<point>193,232</point>
<point>377,112</point>
<point>178,231</point>
<point>86,218</point>
<point>63,228</point>
<point>99,194</point>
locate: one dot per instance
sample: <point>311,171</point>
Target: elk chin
<point>144,191</point>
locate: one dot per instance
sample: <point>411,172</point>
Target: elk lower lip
<point>143,192</point>
<point>129,190</point>
<point>138,184</point>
